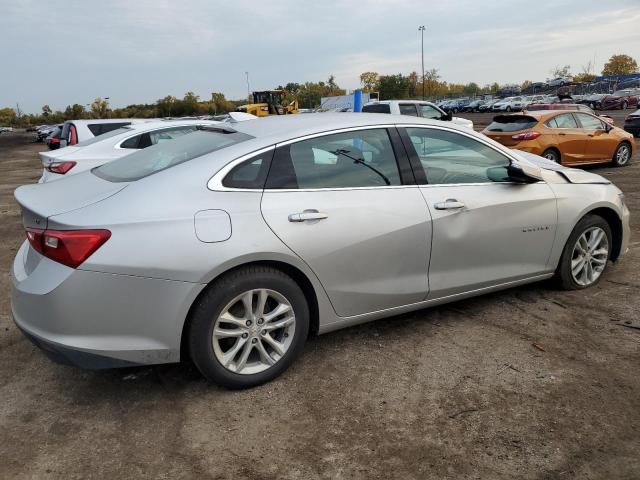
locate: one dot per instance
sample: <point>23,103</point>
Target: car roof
<point>94,121</point>
<point>401,101</point>
<point>274,129</point>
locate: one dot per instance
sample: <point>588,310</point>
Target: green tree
<point>167,106</point>
<point>369,81</point>
<point>46,111</point>
<point>393,86</point>
<point>620,65</point>
<point>8,116</point>
<point>99,108</point>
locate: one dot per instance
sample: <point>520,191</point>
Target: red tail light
<point>60,167</point>
<point>68,247</point>
<point>526,135</point>
<point>628,118</point>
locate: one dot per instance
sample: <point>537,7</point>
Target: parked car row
<point>415,108</point>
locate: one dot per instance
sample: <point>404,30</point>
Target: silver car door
<point>341,203</point>
<point>485,231</point>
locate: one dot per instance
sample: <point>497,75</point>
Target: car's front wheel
<point>586,254</point>
<point>248,327</point>
<point>622,155</point>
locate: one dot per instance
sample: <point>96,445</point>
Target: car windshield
<point>169,154</point>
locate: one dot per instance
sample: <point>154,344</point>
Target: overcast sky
<point>72,51</point>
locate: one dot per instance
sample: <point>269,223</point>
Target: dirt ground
<point>455,392</point>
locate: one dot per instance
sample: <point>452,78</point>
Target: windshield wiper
<point>360,161</point>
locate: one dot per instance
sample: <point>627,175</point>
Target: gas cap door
<point>212,225</point>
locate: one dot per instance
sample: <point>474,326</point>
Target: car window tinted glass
<point>589,122</point>
<point>249,174</point>
<point>565,120</point>
<point>101,128</point>
<point>377,108</point>
<point>427,111</point>
<point>159,157</point>
<point>131,142</point>
<point>449,157</point>
<point>112,133</point>
<point>511,123</point>
<point>408,109</point>
<point>362,158</point>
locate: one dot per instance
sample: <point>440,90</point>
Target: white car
<point>509,104</point>
<point>559,81</point>
<point>121,142</point>
<point>112,145</point>
<point>528,100</point>
<point>76,131</point>
<point>416,108</point>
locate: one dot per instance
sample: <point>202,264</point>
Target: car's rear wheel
<point>248,327</point>
<point>552,154</point>
<point>622,155</point>
<point>508,109</point>
<point>586,254</point>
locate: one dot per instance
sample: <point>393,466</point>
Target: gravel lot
<point>455,392</point>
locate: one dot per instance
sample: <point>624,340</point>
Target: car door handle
<point>562,134</point>
<point>307,215</point>
<point>449,204</point>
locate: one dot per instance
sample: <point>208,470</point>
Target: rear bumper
<point>98,320</point>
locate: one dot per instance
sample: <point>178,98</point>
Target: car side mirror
<point>447,117</point>
<point>607,128</point>
<point>512,173</point>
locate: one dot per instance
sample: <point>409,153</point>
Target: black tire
<point>210,306</point>
<point>563,276</point>
<point>620,158</point>
<point>553,155</point>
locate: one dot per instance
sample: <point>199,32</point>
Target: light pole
<point>422,29</point>
<point>248,87</point>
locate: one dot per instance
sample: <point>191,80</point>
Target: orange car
<point>566,137</point>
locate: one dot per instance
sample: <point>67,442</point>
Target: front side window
<point>408,109</point>
<point>589,122</point>
<point>449,157</point>
<point>363,158</point>
<point>427,111</point>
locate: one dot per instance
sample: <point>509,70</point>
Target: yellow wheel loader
<point>269,102</point>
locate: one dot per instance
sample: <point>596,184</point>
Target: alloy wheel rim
<point>254,331</point>
<point>550,156</point>
<point>623,155</point>
<point>590,255</point>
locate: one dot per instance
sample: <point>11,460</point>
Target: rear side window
<point>153,138</point>
<point>112,133</point>
<point>250,174</point>
<point>377,108</point>
<point>408,109</point>
<point>363,158</point>
<point>160,157</point>
<point>565,120</point>
<point>511,123</point>
<point>100,128</point>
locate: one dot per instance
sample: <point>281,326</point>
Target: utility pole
<point>248,87</point>
<point>422,29</point>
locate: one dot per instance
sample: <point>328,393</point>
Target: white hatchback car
<point>112,145</point>
<point>415,108</point>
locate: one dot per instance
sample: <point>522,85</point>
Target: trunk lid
<point>40,201</point>
<point>503,127</point>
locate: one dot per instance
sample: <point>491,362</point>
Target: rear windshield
<point>511,123</point>
<point>104,136</point>
<point>377,108</point>
<point>168,154</point>
<point>102,128</point>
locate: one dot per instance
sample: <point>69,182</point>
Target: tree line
<point>308,95</point>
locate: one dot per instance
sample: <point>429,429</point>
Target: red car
<point>620,100</point>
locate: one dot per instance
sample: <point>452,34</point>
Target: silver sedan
<point>234,243</point>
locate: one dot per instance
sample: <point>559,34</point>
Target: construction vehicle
<point>269,102</point>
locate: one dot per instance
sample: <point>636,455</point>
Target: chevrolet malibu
<point>232,244</point>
